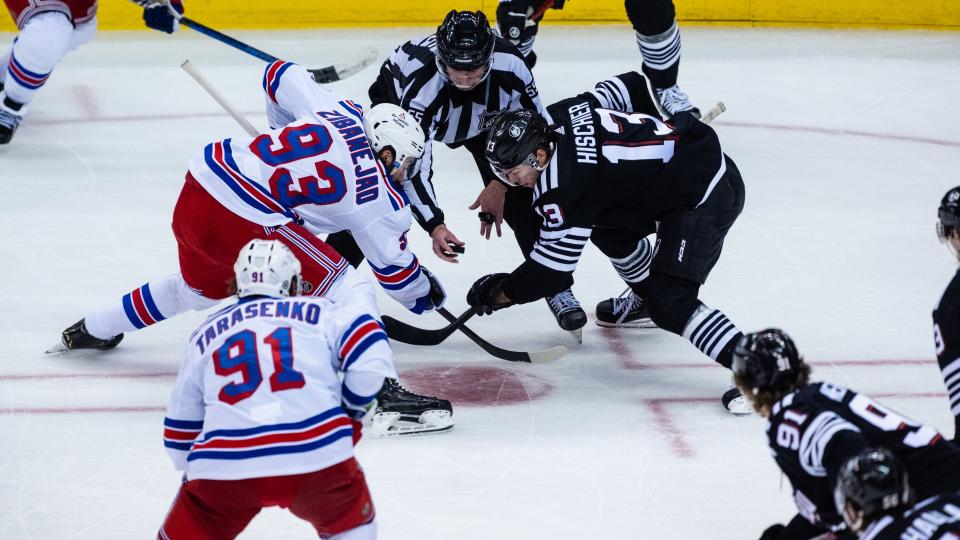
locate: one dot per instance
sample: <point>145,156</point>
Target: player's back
<point>936,518</point>
<point>320,169</point>
<point>804,432</point>
<point>641,161</point>
<point>267,371</point>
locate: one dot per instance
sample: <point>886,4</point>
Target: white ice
<point>846,141</point>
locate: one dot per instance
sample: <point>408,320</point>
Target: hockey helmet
<point>266,268</point>
<point>948,215</point>
<point>869,485</point>
<point>514,138</point>
<point>465,42</point>
<point>390,128</point>
<point>766,360</point>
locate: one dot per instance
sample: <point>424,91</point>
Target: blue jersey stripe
<point>362,347</point>
<point>275,427</point>
<point>183,424</point>
<point>230,182</point>
<point>345,431</point>
<point>356,399</point>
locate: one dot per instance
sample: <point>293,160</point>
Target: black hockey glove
<point>162,17</point>
<point>437,295</point>
<point>483,293</point>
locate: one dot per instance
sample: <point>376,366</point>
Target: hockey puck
<point>456,249</point>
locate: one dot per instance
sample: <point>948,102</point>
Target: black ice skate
<point>673,100</point>
<point>76,337</point>
<point>10,115</point>
<point>570,316</point>
<point>624,312</point>
<point>402,412</point>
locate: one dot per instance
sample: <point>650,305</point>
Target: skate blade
<point>58,348</point>
<point>548,355</point>
<point>577,335</point>
<point>390,424</point>
<point>640,323</point>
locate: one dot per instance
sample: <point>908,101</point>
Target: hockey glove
<point>772,532</point>
<point>484,292</point>
<point>164,17</point>
<point>437,295</point>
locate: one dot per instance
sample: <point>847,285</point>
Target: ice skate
<point>9,120</point>
<point>570,316</point>
<point>734,402</point>
<point>402,412</point>
<point>628,311</point>
<point>673,100</point>
<point>76,337</point>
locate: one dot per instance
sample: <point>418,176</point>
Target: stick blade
<point>345,68</point>
<point>548,355</point>
<point>713,113</point>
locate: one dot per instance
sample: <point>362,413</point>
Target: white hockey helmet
<point>389,127</point>
<point>267,268</point>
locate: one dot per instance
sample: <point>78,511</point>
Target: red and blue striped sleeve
<point>365,359</point>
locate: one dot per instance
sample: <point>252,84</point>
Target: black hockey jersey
<point>946,339</point>
<point>936,518</point>
<point>813,430</point>
<point>616,169</point>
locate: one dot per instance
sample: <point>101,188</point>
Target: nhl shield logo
<point>486,119</point>
<point>516,131</point>
<point>306,287</point>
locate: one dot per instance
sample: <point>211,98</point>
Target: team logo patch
<point>306,287</point>
<point>516,131</point>
<point>514,32</point>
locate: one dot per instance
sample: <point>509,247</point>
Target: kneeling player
<point>614,177</point>
<point>813,428</point>
<point>874,496</point>
<point>259,416</point>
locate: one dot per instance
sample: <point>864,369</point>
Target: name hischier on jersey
<point>581,117</point>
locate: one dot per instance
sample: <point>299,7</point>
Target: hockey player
<point>454,82</point>
<point>658,38</point>
<point>610,177</point>
<point>874,496</point>
<point>946,318</point>
<point>48,30</point>
<point>316,172</point>
<point>813,428</point>
<point>259,416</point>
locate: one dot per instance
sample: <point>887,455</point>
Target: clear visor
<point>398,171</point>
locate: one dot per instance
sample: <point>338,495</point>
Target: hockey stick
<point>714,112</point>
<point>535,357</point>
<point>323,75</point>
<point>405,333</point>
<point>218,97</point>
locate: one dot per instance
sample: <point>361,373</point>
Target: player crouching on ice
<point>260,416</point>
<point>874,496</point>
<point>813,428</point>
<point>615,177</point>
<point>320,169</point>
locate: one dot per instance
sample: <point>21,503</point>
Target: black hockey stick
<point>536,357</point>
<point>323,75</point>
<point>405,333</point>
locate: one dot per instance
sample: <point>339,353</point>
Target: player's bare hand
<point>490,201</point>
<point>442,239</point>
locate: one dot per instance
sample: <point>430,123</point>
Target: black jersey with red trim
<point>946,338</point>
<point>613,169</point>
<point>936,518</point>
<point>814,429</point>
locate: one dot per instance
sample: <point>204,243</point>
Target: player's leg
<point>210,510</point>
<point>658,37</point>
<point>44,39</point>
<point>336,501</point>
<point>690,243</point>
<point>631,253</point>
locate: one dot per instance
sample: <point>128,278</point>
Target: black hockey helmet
<point>464,41</point>
<point>948,215</point>
<point>766,360</point>
<point>513,139</point>
<point>869,485</point>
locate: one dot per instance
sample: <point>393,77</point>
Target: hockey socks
<point>712,332</point>
<point>661,56</point>
<point>145,306</point>
<point>635,267</point>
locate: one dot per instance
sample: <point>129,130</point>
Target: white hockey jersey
<point>315,166</point>
<point>259,391</point>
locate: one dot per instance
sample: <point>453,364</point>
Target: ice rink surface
<point>846,141</point>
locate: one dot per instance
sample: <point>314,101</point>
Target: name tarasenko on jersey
<point>308,312</point>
